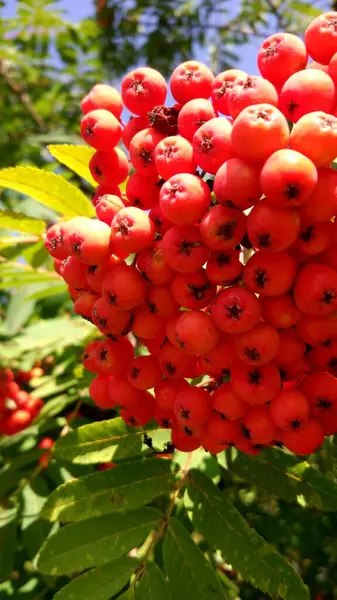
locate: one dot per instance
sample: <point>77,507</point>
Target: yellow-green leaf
<point>19,222</point>
<point>49,189</point>
<point>75,157</point>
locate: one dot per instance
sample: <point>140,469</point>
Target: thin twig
<point>71,417</point>
<point>23,97</point>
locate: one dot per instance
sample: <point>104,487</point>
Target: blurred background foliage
<point>47,64</point>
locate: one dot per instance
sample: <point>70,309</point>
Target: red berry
<point>227,404</point>
<point>174,363</point>
<point>109,319</point>
<point>258,425</point>
<point>222,228</point>
<point>250,90</point>
<point>134,125</point>
<point>321,391</point>
<point>237,184</point>
<point>188,328</point>
<point>315,290</point>
<point>89,240</point>
<point>183,249</point>
<point>113,357</point>
<point>107,207</point>
<point>280,311</point>
<point>224,267</point>
<point>191,80</point>
<point>166,391</point>
<point>101,130</point>
<point>144,372</point>
<point>142,413</point>
<point>152,265</point>
<point>142,148</point>
<point>142,192</point>
<point>109,168</point>
<point>212,144</point>
<point>307,91</point>
<point>315,136</point>
<point>272,228</point>
<point>142,89</point>
<point>193,115</point>
<point>103,96</point>
<point>270,274</point>
<point>290,409</point>
<point>304,440</point>
<point>56,241</point>
<point>192,406</point>
<point>321,37</point>
<point>74,273</point>
<point>193,290</point>
<point>221,87</point>
<point>174,155</point>
<point>131,230</point>
<point>259,345</point>
<point>281,55</point>
<point>255,385</point>
<point>235,310</point>
<point>99,392</point>
<point>124,287</point>
<point>122,393</point>
<point>184,199</point>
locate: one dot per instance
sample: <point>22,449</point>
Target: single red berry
<point>192,406</point>
<point>258,426</point>
<point>227,404</point>
<point>109,319</point>
<point>142,192</point>
<point>113,357</point>
<point>255,385</point>
<point>101,130</point>
<point>74,273</point>
<point>221,87</point>
<point>222,228</point>
<point>56,241</point>
<point>212,144</point>
<point>271,228</point>
<point>174,155</point>
<point>321,37</point>
<point>305,92</point>
<point>290,409</point>
<point>270,274</point>
<point>124,287</point>
<point>99,392</point>
<point>134,125</point>
<point>193,290</point>
<point>184,199</point>
<point>281,55</point>
<point>109,168</point>
<point>142,413</point>
<point>280,311</point>
<point>191,80</point>
<point>235,310</point>
<point>174,363</point>
<point>237,184</point>
<point>315,290</point>
<point>103,96</point>
<point>250,90</point>
<point>142,89</point>
<point>320,388</point>
<point>152,265</point>
<point>304,440</point>
<point>188,328</point>
<point>258,346</point>
<point>107,208</point>
<point>89,240</point>
<point>183,249</point>
<point>220,359</point>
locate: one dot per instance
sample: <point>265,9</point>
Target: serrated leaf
<point>19,222</point>
<point>99,584</point>
<point>8,540</point>
<point>49,189</point>
<point>101,442</point>
<point>225,529</point>
<point>284,476</point>
<point>152,585</point>
<point>189,574</point>
<point>127,486</point>
<point>96,541</point>
<point>77,158</point>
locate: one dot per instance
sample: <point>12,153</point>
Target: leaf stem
<point>164,522</point>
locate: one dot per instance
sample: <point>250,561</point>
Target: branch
<point>23,97</point>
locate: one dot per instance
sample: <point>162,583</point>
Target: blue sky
<point>76,10</point>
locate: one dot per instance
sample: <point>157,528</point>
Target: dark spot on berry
<point>170,368</point>
<point>296,424</point>
<point>226,231</point>
<point>308,234</point>
<point>328,296</point>
<point>185,414</point>
<point>292,190</point>
<point>134,372</point>
<point>261,278</point>
<point>252,354</point>
<point>255,377</point>
<point>264,240</point>
<point>324,403</point>
<point>245,432</point>
<point>234,311</point>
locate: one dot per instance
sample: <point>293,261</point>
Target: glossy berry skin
<point>271,228</point>
<point>315,136</point>
<point>224,267</point>
<point>281,55</point>
<point>227,404</point>
<point>221,87</point>
<point>258,131</point>
<point>74,273</point>
<point>250,90</point>
<point>109,319</point>
<point>212,144</point>
<point>142,89</point>
<point>124,287</point>
<point>142,413</point>
<point>191,80</point>
<point>103,96</point>
<point>142,192</point>
<point>223,432</point>
<point>107,207</point>
<point>320,388</point>
<point>56,241</point>
<point>288,178</point>
<point>258,426</point>
<point>193,290</point>
<point>258,346</point>
<point>113,357</point>
<point>151,263</point>
<point>270,274</point>
<point>219,361</point>
<point>134,125</point>
<point>280,311</point>
<point>101,130</point>
<point>235,310</point>
<point>183,249</point>
<point>131,230</point>
<point>290,409</point>
<point>307,91</point>
<point>142,148</point>
<point>237,184</point>
<point>321,37</point>
<point>304,440</point>
<point>174,155</point>
<point>192,406</point>
<point>166,391</point>
<point>193,115</point>
<point>109,168</point>
<point>315,290</point>
<point>89,240</point>
<point>184,441</point>
<point>174,363</point>
<point>222,228</point>
<point>99,392</point>
<point>322,204</point>
<point>144,372</point>
<point>184,199</point>
<point>255,385</point>
<point>187,331</point>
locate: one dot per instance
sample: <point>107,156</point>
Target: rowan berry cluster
<point>238,168</point>
<point>17,407</point>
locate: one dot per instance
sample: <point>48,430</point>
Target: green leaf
<point>189,574</point>
<point>152,585</point>
<point>126,487</point>
<point>101,442</point>
<point>284,476</point>
<point>96,541</point>
<point>8,540</point>
<point>99,584</point>
<point>49,189</point>
<point>75,157</point>
<point>34,529</point>
<point>19,222</point>
<point>225,529</point>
